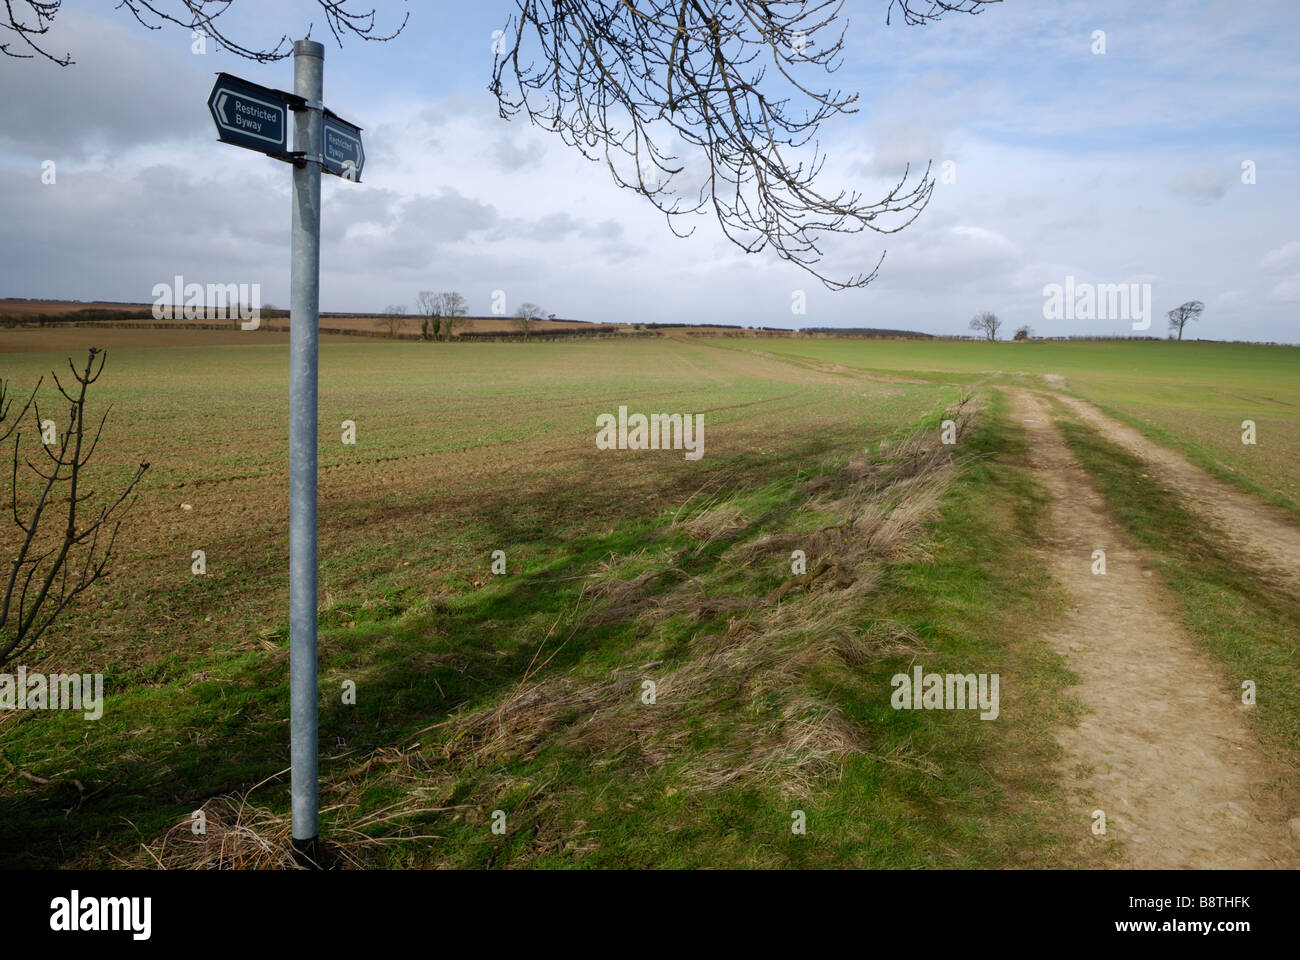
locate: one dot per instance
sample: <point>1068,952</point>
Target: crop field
<point>460,451</point>
<point>1193,396</point>
<point>519,695</point>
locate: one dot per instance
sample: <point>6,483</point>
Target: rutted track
<point>1265,532</point>
<point>1163,749</point>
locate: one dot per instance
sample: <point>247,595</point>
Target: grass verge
<point>771,696</point>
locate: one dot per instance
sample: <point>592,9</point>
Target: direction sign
<point>341,152</point>
<point>252,116</point>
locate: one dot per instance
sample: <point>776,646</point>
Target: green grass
<point>933,789</point>
<point>968,793</point>
<point>475,447</point>
<point>1191,396</point>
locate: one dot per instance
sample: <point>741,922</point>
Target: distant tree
<point>1180,317</point>
<point>526,316</point>
<point>394,318</point>
<point>986,323</point>
<point>63,542</point>
<point>430,306</point>
<point>1023,333</point>
<point>451,308</point>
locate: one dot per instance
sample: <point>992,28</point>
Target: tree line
<point>442,314</point>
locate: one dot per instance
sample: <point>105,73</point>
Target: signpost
<point>256,117</point>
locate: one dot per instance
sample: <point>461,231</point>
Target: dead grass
<point>767,649</point>
<point>240,835</point>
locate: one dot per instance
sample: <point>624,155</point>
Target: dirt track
<point>1265,532</point>
<point>1163,748</point>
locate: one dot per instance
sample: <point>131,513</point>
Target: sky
<point>1055,163</point>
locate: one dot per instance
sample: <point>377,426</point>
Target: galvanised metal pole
<point>304,313</point>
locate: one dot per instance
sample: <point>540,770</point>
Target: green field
<point>1190,396</point>
<point>522,693</point>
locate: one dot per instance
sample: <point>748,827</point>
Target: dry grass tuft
<point>716,520</point>
<point>239,835</point>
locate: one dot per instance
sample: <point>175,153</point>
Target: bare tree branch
<point>51,567</point>
<point>626,81</point>
<point>17,22</point>
<point>34,23</point>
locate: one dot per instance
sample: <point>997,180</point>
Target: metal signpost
<point>256,117</point>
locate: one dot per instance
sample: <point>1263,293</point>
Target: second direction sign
<point>251,116</point>
<point>342,153</point>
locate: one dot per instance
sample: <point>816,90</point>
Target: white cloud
<point>1284,258</point>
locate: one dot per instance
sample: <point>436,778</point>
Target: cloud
<point>125,89</point>
<point>1203,186</point>
<point>1064,168</point>
<point>899,148</point>
<point>1287,291</point>
<point>1283,259</point>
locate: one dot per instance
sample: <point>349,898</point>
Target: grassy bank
<point>771,696</point>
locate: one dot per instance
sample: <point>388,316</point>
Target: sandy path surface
<point>1163,748</point>
<point>1267,534</point>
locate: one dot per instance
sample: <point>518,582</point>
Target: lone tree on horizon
<point>527,315</point>
<point>1179,317</point>
<point>986,323</point>
<point>394,318</point>
<point>429,305</point>
<point>624,82</point>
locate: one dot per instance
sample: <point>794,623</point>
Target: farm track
<point>1265,533</point>
<point>1163,749</point>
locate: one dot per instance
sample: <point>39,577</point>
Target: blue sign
<point>251,116</point>
<point>341,152</point>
